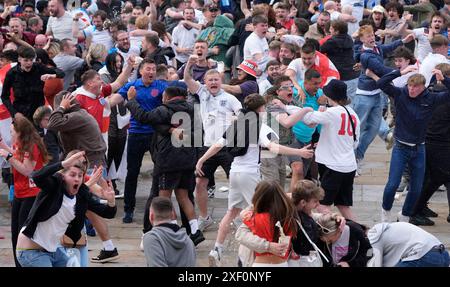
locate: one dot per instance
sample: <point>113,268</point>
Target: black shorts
<point>177,180</point>
<point>222,158</point>
<point>338,186</point>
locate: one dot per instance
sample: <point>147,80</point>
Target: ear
<point>151,216</point>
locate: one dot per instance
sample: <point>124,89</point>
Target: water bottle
<point>283,239</point>
<point>11,194</point>
<point>73,255</point>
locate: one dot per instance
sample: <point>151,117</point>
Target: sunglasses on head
<point>324,230</point>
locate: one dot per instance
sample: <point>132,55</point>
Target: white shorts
<point>242,188</point>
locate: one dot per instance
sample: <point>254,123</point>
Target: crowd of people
<point>90,86</point>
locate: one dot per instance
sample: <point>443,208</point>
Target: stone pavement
<point>367,196</point>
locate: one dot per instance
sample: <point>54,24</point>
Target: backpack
<point>240,138</point>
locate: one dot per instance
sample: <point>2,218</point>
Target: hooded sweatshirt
<point>218,35</point>
<point>400,241</point>
<point>339,49</point>
<point>168,245</point>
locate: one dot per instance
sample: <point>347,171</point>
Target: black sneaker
<point>106,256</point>
<point>421,220</point>
<point>427,212</point>
<point>197,237</point>
<point>128,217</point>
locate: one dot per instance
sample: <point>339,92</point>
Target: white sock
<point>108,245</point>
<point>194,225</point>
<point>174,222</point>
<point>219,246</point>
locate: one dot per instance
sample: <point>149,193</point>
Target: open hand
<point>198,168</point>
<point>409,38</point>
<point>73,159</point>
<point>306,152</point>
<point>278,249</point>
<point>438,74</point>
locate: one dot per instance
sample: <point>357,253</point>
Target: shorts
<point>222,158</point>
<point>338,186</point>
<point>177,180</point>
<point>242,188</point>
<point>292,158</point>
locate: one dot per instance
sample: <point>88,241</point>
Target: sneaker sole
<point>212,261</point>
<point>206,226</point>
<point>110,259</point>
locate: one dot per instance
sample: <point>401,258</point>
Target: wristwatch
<point>9,156</point>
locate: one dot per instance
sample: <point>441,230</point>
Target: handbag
<point>313,259</point>
<point>66,241</point>
<point>124,120</point>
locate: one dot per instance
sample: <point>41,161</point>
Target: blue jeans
<point>369,110</point>
<point>414,157</point>
<point>351,89</point>
<point>432,258</point>
<point>138,145</point>
<point>40,258</point>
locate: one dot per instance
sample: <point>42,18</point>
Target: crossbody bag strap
<point>310,241</point>
<point>351,122</point>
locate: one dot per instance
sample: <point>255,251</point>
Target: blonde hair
<point>95,52</point>
<point>417,80</point>
<point>142,22</point>
<point>53,49</point>
<point>366,29</point>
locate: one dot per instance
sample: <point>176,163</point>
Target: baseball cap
<point>249,67</point>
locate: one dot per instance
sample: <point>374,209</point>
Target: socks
<point>108,245</point>
<point>194,225</point>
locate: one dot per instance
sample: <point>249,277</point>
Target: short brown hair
<point>340,26</point>
<point>254,101</point>
<point>444,68</point>
<point>417,80</point>
<point>82,163</point>
<point>259,19</point>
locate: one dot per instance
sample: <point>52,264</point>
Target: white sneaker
<point>204,223</point>
<point>385,215</point>
<point>398,195</point>
<point>141,245</point>
<point>214,258</point>
<point>402,218</point>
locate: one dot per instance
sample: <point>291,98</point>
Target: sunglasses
<point>213,9</point>
<point>324,230</point>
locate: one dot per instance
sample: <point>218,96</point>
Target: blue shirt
<point>302,132</point>
<point>148,97</point>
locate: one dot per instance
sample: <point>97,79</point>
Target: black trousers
<point>19,213</point>
<point>437,173</point>
<point>116,147</point>
<point>154,192</point>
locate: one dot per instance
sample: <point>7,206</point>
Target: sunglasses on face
<point>213,9</point>
<point>286,87</point>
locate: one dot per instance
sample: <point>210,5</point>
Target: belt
<point>439,248</point>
